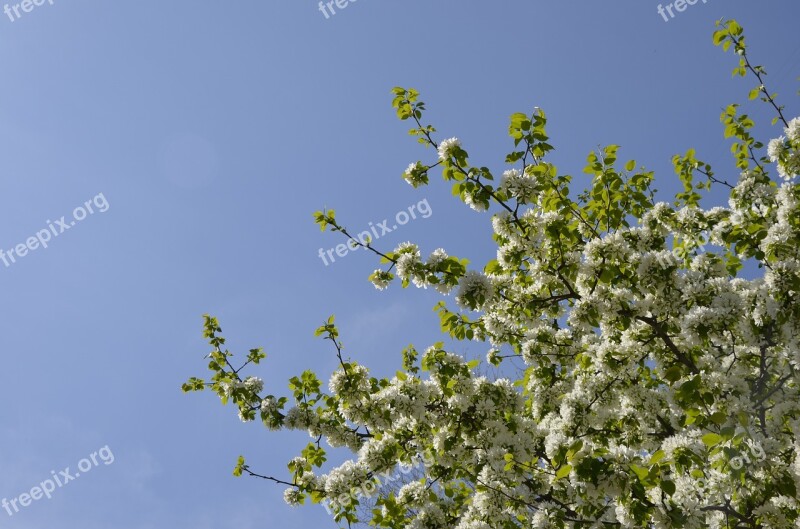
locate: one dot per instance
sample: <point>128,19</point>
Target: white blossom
<point>474,286</point>
<point>792,129</point>
<point>254,384</point>
<point>446,148</point>
<point>415,174</point>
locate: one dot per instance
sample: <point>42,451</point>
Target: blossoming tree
<point>660,344</point>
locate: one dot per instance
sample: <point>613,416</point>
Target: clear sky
<point>209,132</point>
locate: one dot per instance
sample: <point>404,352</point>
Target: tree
<point>660,342</point>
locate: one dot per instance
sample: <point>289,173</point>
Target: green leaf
<point>657,457</point>
<point>574,449</point>
<point>719,36</point>
<point>673,374</point>
<point>640,472</point>
<point>237,471</point>
<point>668,487</point>
<point>719,418</point>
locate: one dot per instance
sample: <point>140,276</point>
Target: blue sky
<point>213,131</point>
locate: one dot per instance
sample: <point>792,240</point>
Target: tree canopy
<point>660,343</point>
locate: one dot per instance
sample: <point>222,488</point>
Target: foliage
<point>660,344</point>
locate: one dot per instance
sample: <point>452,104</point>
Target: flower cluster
<point>784,151</point>
<point>518,186</point>
<point>416,174</point>
<point>447,148</point>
